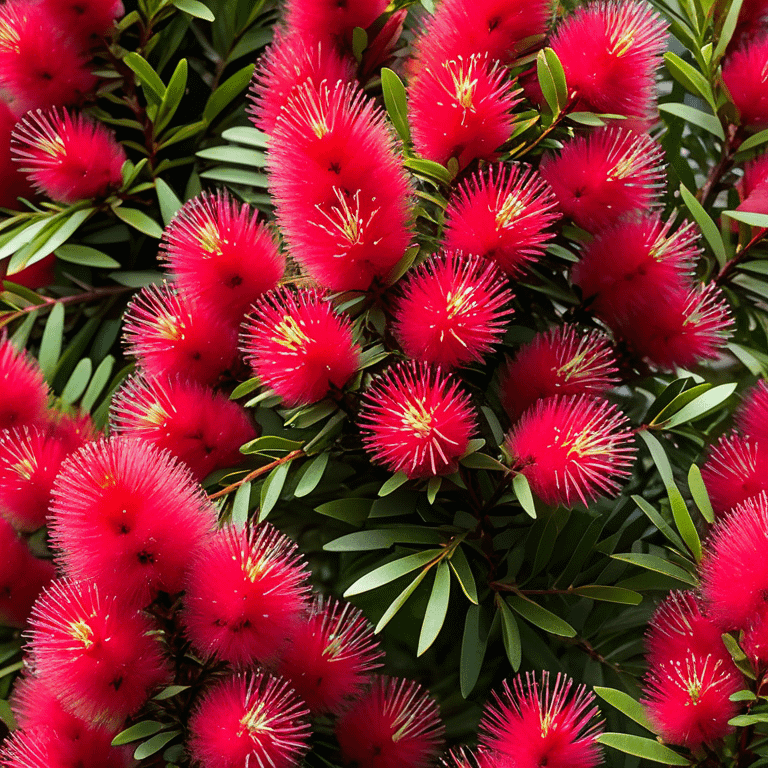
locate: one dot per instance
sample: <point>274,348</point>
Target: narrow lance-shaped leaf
<point>437,608</point>
<point>391,571</point>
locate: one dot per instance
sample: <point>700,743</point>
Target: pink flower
<point>299,346</point>
<point>68,158</point>
<point>752,417</point>
<point>99,658</point>
<point>330,19</point>
<point>416,420</point>
<point>85,20</point>
<point>504,214</point>
<point>396,724</point>
<point>341,192</point>
<point>39,66</point>
<point>462,108</point>
<point>604,175</point>
<point>734,571</point>
<point>610,52</point>
<point>23,392</point>
<point>72,430</point>
<point>735,470</point>
<point>687,701</point>
<point>249,720</point>
<point>452,310</point>
<point>330,656</point>
<point>290,61</point>
<point>16,185</point>
<point>463,758</point>
<point>245,595</point>
<point>200,427</point>
<point>171,337</point>
<point>745,74</point>
<point>573,447</point>
<point>128,517</point>
<point>533,726</point>
<point>754,641</point>
<point>562,361</point>
<point>221,256</point>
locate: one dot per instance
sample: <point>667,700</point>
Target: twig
<point>256,473</point>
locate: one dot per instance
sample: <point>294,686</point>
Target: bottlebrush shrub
<point>459,316</point>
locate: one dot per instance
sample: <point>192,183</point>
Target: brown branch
<point>725,273</point>
<point>256,473</point>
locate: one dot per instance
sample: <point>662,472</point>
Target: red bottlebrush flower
<point>198,426</point>
<point>299,346</point>
<point>462,109</point>
<point>246,592</point>
<point>221,256</point>
<point>610,52</point>
<point>74,430</point>
<point>68,158</point>
<point>99,658</point>
<point>572,448</point>
<point>254,720</point>
<point>501,29</point>
<point>290,61</point>
<point>342,194</point>
<point>734,572</point>
<point>504,215</point>
<point>463,758</point>
<point>754,642</point>
<point>533,726</point>
<point>602,176</point>
<point>44,747</point>
<point>15,184</point>
<point>85,20</point>
<point>735,470</point>
<point>128,516</point>
<point>745,74</point>
<point>752,417</point>
<point>22,577</point>
<point>39,66</point>
<point>687,701</point>
<point>171,337</point>
<point>561,361</point>
<point>625,268</point>
<point>330,656</point>
<point>331,20</point>
<point>23,392</point>
<point>415,420</point>
<point>453,310</point>
<point>394,725</point>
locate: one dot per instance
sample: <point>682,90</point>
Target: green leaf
<point>678,401</point>
<point>234,155</point>
<point>400,601</point>
<point>696,117</point>
<point>701,406</point>
<point>522,490</point>
<point>482,461</point>
<point>182,133</point>
<point>268,444</point>
<point>586,118</point>
<point>609,594</point>
<point>241,504</point>
<point>86,256</point>
<point>153,86</point>
<point>138,731</point>
<point>311,474</point>
<point>246,135</point>
<point>437,608</point>
<point>140,221</point>
<point>640,747</point>
<point>388,572</point>
<point>359,43</point>
<point>155,744</point>
<point>50,346</point>
<point>166,197</point>
<point>625,704</point>
<point>195,8</point>
<point>541,617</point>
<point>746,217</point>
<point>352,511</point>
<point>169,692</point>
<point>394,482</point>
<point>691,79</point>
<point>137,278</point>
<point>78,381</point>
<point>429,168</point>
<point>403,265</point>
<point>362,541</point>
<point>463,573</point>
<point>708,227</point>
<point>473,644</point>
<point>228,91</point>
<point>558,76</point>
<point>14,239</point>
<point>547,83</point>
<point>272,488</point>
<point>743,696</point>
<point>510,635</point>
<point>699,493</point>
<point>396,103</point>
<point>21,334</point>
<point>654,563</point>
<point>174,93</point>
<point>236,176</point>
<point>728,28</point>
<point>433,487</point>
<point>655,517</point>
<point>745,720</point>
<point>754,141</point>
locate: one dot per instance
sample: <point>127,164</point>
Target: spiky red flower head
<point>395,724</point>
<point>604,175</point>
<point>687,700</point>
<point>630,263</point>
<point>99,658</point>
<point>245,595</point>
<point>678,329</point>
<point>85,20</point>
<point>249,720</point>
<point>39,66</point>
<point>610,52</point>
<point>679,627</point>
<point>220,255</point>
<point>416,420</point>
<point>330,19</point>
<point>22,577</point>
<point>128,516</point>
<point>464,758</point>
<point>68,158</point>
<point>342,195</point>
<point>290,61</point>
<point>572,447</point>
<point>330,656</point>
<point>754,641</point>
<point>23,391</point>
<point>533,726</point>
<point>15,185</point>
<point>200,427</point>
<point>734,571</point>
<point>73,430</point>
<point>561,361</point>
<point>752,417</point>
<point>502,29</point>
<point>745,74</point>
<point>172,337</point>
<point>299,346</point>
<point>452,310</point>
<point>462,109</point>
<point>504,214</point>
